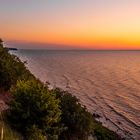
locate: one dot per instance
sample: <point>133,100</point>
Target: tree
<point>75,117</point>
<point>1,41</point>
<point>33,104</point>
<point>11,69</point>
<point>35,134</point>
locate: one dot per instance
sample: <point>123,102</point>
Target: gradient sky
<point>95,24</point>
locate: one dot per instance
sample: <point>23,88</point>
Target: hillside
<point>30,111</point>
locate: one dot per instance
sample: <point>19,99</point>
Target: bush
<point>35,134</point>
<point>33,104</point>
<point>102,133</point>
<point>77,119</point>
<point>11,69</point>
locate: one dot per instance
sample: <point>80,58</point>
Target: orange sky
<point>95,24</point>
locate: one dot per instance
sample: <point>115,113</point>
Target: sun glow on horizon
<point>104,24</point>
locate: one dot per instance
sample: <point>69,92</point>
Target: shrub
<point>33,104</point>
<point>102,133</point>
<point>77,119</point>
<point>11,69</point>
<point>35,134</point>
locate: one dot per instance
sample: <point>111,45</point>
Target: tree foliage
<point>33,104</point>
<point>35,133</point>
<point>11,69</point>
<point>1,41</point>
<point>75,117</point>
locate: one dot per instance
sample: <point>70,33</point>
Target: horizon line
<point>76,49</point>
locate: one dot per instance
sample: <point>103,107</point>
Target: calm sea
<point>107,82</point>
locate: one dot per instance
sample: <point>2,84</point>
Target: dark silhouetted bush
<point>75,117</point>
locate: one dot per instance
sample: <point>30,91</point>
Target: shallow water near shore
<point>107,82</point>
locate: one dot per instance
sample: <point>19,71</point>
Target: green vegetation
<point>37,113</point>
<point>102,133</point>
<point>77,119</point>
<point>33,106</point>
<point>8,133</point>
<point>11,69</point>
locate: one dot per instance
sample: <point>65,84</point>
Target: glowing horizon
<point>95,24</point>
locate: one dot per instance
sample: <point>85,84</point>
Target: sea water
<point>106,82</point>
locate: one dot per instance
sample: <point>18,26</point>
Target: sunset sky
<point>87,24</point>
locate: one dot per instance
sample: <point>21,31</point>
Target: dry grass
<point>8,133</point>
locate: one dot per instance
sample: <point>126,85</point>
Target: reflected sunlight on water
<point>107,82</point>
